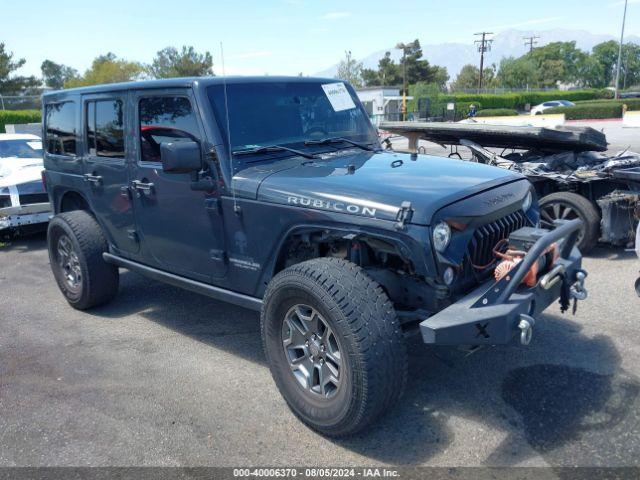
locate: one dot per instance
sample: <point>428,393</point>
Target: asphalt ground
<point>162,376</point>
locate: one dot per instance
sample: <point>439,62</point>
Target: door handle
<point>142,188</point>
<point>95,179</point>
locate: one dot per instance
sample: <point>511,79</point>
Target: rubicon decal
<point>336,206</point>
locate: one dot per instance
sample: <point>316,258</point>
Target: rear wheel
<point>334,345</point>
<point>76,244</point>
<point>569,206</point>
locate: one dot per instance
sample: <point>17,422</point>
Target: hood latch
<point>404,215</point>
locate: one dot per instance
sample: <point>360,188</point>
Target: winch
<point>518,244</point>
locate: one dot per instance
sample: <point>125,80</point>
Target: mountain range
<point>505,44</point>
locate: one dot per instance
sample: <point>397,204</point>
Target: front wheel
<point>334,345</point>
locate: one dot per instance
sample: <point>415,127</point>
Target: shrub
<point>497,112</point>
<point>515,100</point>
<point>18,116</point>
<point>589,111</point>
<point>631,103</point>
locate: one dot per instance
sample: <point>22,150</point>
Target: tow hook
<point>526,328</point>
<point>577,290</point>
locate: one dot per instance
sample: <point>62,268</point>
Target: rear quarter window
<point>61,136</point>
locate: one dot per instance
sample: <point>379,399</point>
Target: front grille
<point>30,198</point>
<point>485,238</point>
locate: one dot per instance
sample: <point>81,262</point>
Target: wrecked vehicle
<point>24,203</point>
<point>274,194</point>
<point>572,176</point>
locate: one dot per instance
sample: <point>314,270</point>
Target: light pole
<point>624,18</point>
<point>404,46</point>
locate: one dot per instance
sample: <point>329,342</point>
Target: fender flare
<point>399,240</point>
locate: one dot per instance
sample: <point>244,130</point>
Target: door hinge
<point>404,215</point>
<point>212,205</point>
<point>133,235</point>
<point>218,255</point>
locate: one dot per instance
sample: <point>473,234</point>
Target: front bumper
<point>19,216</point>
<point>495,312</point>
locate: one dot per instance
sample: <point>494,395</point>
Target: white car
<point>539,109</point>
<point>23,199</point>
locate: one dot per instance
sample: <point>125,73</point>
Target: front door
<point>181,230</point>
<point>108,156</point>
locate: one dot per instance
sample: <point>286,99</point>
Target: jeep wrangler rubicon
<point>274,194</point>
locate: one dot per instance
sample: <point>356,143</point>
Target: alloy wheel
<point>551,212</point>
<point>69,264</point>
<point>312,350</point>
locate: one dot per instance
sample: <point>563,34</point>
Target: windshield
<point>21,148</point>
<point>290,113</point>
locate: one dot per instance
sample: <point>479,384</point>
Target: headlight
<point>441,236</point>
<point>528,200</point>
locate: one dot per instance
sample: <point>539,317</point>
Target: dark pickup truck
<point>274,194</point>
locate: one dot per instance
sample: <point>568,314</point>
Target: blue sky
<point>278,36</point>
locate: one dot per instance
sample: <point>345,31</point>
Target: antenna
<point>236,209</point>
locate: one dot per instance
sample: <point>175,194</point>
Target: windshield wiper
<point>273,148</point>
<point>325,141</point>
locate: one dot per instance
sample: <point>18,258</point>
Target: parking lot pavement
<point>162,376</point>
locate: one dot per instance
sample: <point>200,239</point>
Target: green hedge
<point>589,111</point>
<point>631,103</point>
<point>497,112</point>
<point>18,116</point>
<point>515,101</point>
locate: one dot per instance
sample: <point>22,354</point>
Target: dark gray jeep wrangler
<point>274,194</point>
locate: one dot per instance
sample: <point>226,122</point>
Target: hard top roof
<point>183,82</point>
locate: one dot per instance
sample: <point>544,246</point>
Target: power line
<point>484,45</point>
<point>530,42</point>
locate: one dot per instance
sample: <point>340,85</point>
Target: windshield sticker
<point>338,96</point>
<point>36,145</point>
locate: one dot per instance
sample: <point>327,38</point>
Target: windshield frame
<point>214,95</point>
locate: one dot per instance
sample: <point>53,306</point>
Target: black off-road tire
<point>363,320</point>
<point>585,210</point>
<point>99,280</point>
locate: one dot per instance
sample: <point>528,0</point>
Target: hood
<point>15,171</point>
<point>373,184</point>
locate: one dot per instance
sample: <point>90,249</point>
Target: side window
<point>165,119</point>
<point>60,124</point>
<point>105,128</point>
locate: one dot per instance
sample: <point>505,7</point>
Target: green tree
<point>440,77</point>
<point>590,73</point>
<point>169,62</point>
<point>606,54</point>
<point>469,78</point>
<point>370,77</point>
<point>107,69</point>
<point>519,72</point>
<point>557,62</point>
<point>630,68</point>
<point>9,82</point>
<point>417,69</point>
<point>388,73</point>
<point>350,70</point>
<point>55,74</point>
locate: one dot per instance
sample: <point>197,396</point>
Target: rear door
<point>107,160</point>
<point>181,229</point>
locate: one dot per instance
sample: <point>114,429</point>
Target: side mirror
<point>180,157</point>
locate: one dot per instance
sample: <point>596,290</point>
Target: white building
<point>382,103</point>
